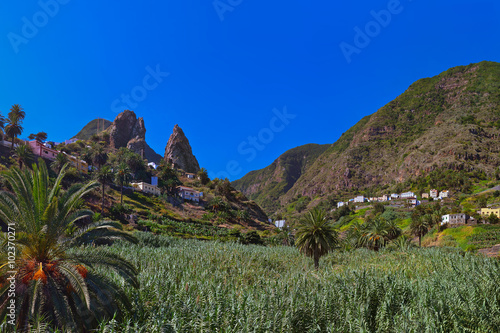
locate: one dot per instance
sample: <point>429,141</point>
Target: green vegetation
<point>91,129</point>
<point>53,284</point>
<point>193,286</point>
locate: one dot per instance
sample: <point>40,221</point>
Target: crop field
<point>196,286</point>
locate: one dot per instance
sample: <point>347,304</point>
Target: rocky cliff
<point>179,153</point>
<point>129,131</point>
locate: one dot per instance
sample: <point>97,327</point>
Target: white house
<point>433,193</point>
<point>395,196</point>
<point>359,198</point>
<point>146,188</point>
<point>340,204</point>
<point>188,193</point>
<point>190,175</point>
<point>444,194</point>
<point>279,223</point>
<point>407,195</point>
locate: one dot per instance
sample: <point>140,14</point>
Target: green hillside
<point>267,185</point>
<point>447,122</point>
<point>91,128</point>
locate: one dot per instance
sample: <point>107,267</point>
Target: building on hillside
<point>485,212</point>
<point>433,193</point>
<point>340,204</point>
<point>460,218</point>
<point>77,163</point>
<point>188,193</point>
<point>413,202</point>
<point>408,195</point>
<point>70,141</point>
<point>280,223</point>
<point>39,149</point>
<point>146,188</point>
<point>395,196</point>
<point>386,197</point>
<point>425,195</point>
<point>190,175</point>
<point>444,194</point>
<point>359,199</point>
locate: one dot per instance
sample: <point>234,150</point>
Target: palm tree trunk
<point>12,147</point>
<point>121,195</point>
<point>102,205</point>
<point>316,261</point>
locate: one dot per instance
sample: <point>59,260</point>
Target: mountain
<point>267,185</point>
<point>450,121</point>
<point>179,153</point>
<point>129,131</point>
<point>91,128</point>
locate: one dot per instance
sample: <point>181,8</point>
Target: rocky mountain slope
<point>179,153</point>
<point>93,127</point>
<point>267,185</point>
<point>448,121</point>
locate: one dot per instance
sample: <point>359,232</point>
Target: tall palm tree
<point>59,162</point>
<point>100,156</point>
<point>15,120</point>
<point>104,176</point>
<point>87,155</point>
<point>122,177</point>
<point>2,126</point>
<point>52,282</point>
<point>23,155</point>
<point>419,227</point>
<point>316,235</point>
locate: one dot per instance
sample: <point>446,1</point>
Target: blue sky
<point>246,80</point>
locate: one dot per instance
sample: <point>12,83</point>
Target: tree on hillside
<point>419,227</point>
<point>104,176</point>
<point>64,289</point>
<point>493,219</point>
<point>122,177</point>
<point>40,136</point>
<point>2,126</point>
<point>316,235</point>
<point>88,156</point>
<point>168,179</point>
<point>58,163</point>
<point>14,126</point>
<point>100,157</point>
<point>203,175</point>
<point>23,155</point>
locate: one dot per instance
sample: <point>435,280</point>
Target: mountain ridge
<point>451,120</point>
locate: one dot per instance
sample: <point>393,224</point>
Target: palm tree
<point>104,176</point>
<point>316,235</point>
<point>87,155</point>
<point>122,177</point>
<point>14,127</point>
<point>419,227</point>
<point>52,282</point>
<point>100,156</point>
<point>2,125</point>
<point>23,155</point>
<point>59,162</point>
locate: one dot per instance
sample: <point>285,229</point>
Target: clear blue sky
<point>230,64</point>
